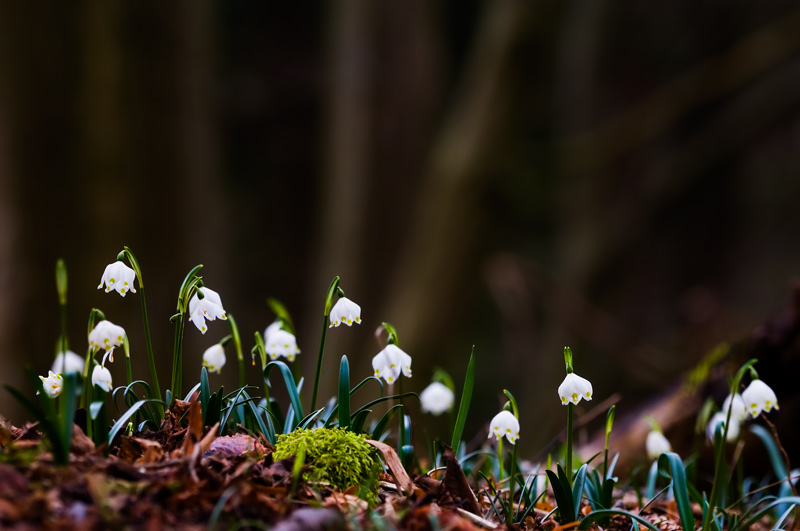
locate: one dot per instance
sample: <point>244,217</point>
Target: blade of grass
<point>463,407</point>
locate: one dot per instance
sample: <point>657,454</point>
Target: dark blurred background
<point>620,177</point>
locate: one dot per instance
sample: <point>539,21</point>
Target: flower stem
<point>511,486</point>
<point>332,290</point>
<point>237,341</point>
<point>319,362</point>
<point>87,383</point>
<point>720,454</point>
<point>150,356</point>
<point>128,369</point>
<point>500,459</point>
<point>569,442</point>
<point>177,359</point>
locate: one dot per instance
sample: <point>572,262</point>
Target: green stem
<point>500,460</point>
<point>718,480</point>
<point>332,290</point>
<point>177,359</point>
<point>569,442</point>
<point>511,487</point>
<point>150,356</point>
<point>319,362</point>
<point>402,432</point>
<point>128,368</point>
<point>87,383</point>
<point>237,341</point>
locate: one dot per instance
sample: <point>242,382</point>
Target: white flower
<point>107,336</point>
<point>505,423</point>
<point>214,358</point>
<point>739,410</point>
<point>118,276</point>
<point>436,399</point>
<point>719,418</point>
<point>573,388</point>
<point>389,362</point>
<point>758,396</point>
<point>281,343</point>
<point>274,327</point>
<point>656,444</point>
<point>101,377</point>
<point>53,384</point>
<point>346,312</point>
<point>67,362</point>
<point>209,307</point>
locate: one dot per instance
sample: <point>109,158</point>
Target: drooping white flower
<point>719,418</point>
<point>505,423</point>
<point>67,362</point>
<point>346,312</point>
<point>656,444</point>
<point>101,377</point>
<point>209,307</point>
<point>574,388</point>
<point>53,384</point>
<point>739,410</point>
<point>436,399</point>
<point>274,327</point>
<point>759,396</point>
<point>390,362</point>
<point>118,276</point>
<point>107,336</point>
<point>214,358</point>
<point>281,343</point>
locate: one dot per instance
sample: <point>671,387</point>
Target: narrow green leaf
<point>673,461</point>
<point>344,393</point>
<point>310,418</point>
<point>383,399</point>
<point>596,516</point>
<point>123,420</point>
<point>357,425</point>
<point>562,494</point>
<point>577,489</point>
<point>294,396</point>
<point>380,427</point>
<point>463,407</point>
<point>205,391</point>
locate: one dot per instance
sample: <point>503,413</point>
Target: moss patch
<point>336,456</point>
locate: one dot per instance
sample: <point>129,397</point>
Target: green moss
<point>335,456</point>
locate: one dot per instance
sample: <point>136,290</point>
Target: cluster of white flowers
<point>118,276</point>
<point>756,398</point>
<point>505,423</point>
<point>209,307</point>
<point>436,399</point>
<point>390,362</point>
<point>280,343</point>
<point>574,388</point>
<point>346,312</point>
<point>214,358</point>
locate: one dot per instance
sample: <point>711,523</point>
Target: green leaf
<point>463,407</point>
<point>123,420</point>
<point>310,418</point>
<point>357,425</point>
<point>294,396</point>
<point>380,427</point>
<point>577,489</point>
<point>205,391</point>
<point>383,399</point>
<point>602,514</point>
<point>562,494</point>
<point>281,313</point>
<point>344,393</point>
<point>673,461</point>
